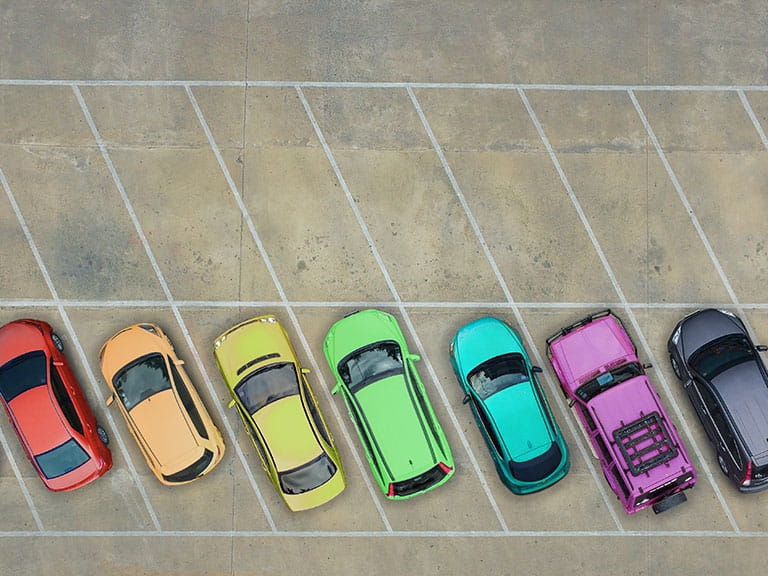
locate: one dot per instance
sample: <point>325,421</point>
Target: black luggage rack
<point>652,427</point>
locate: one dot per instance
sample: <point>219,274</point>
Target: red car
<point>48,409</point>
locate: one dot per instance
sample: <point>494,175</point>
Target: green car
<point>510,408</point>
<point>406,448</point>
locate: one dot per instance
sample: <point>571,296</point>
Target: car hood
<point>522,424</point>
<point>482,340</point>
<point>287,432</point>
<point>166,432</point>
<point>591,348</point>
<point>399,431</point>
<point>703,327</point>
<point>357,331</point>
<point>248,341</point>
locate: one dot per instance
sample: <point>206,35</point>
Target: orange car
<point>164,413</point>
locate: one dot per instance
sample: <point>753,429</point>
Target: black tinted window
<point>22,374</point>
<point>371,363</point>
<point>62,459</point>
<point>267,385</point>
<point>141,379</point>
<point>720,420</point>
<point>309,476</point>
<point>65,401</point>
<point>713,359</point>
<point>314,412</point>
<point>608,379</point>
<point>539,467</point>
<point>186,400</point>
<point>487,425</point>
<point>497,374</point>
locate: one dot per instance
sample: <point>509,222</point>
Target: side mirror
<point>761,348</point>
<point>231,403</point>
<point>305,371</point>
<point>647,366</point>
<point>571,402</point>
<point>178,362</point>
<point>415,357</point>
<point>336,389</point>
<point>110,400</point>
<point>466,399</point>
<point>57,363</point>
<point>536,369</point>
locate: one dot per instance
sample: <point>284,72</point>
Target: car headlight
<point>676,336</point>
<point>219,341</point>
<point>727,313</point>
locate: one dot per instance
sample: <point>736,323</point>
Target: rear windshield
<point>538,468</point>
<point>372,363</point>
<point>141,379</point>
<point>723,354</point>
<point>420,482</point>
<point>267,385</point>
<point>498,373</point>
<point>22,374</point>
<point>308,477</point>
<point>608,379</point>
<point>62,459</point>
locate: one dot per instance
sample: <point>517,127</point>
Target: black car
<point>712,354</point>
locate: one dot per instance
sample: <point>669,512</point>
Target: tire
<point>721,463</point>
<point>103,436</point>
<point>669,502</point>
<point>675,367</point>
<point>57,342</point>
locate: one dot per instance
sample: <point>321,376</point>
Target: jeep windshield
<point>608,379</point>
<point>497,374</point>
<point>371,363</point>
<point>713,359</point>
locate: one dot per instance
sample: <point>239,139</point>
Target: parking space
<point>307,163</point>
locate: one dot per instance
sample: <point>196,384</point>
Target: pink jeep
<point>639,450</point>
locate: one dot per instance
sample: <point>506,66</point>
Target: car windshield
<point>267,385</point>
<point>723,354</point>
<point>141,379</point>
<point>498,373</point>
<point>22,374</point>
<point>538,468</point>
<point>308,477</point>
<point>62,459</point>
<point>372,363</point>
<point>609,379</point>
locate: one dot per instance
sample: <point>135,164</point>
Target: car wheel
<point>675,367</point>
<point>103,436</point>
<point>721,462</point>
<point>669,502</point>
<point>57,342</point>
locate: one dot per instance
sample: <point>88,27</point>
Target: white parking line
<point>47,303</point>
<point>401,307</point>
<point>161,279</point>
<point>630,313</point>
<point>553,388</point>
<point>81,353</point>
<point>753,117</point>
<point>284,299</point>
<point>394,85</point>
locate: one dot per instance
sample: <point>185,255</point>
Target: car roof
<point>744,393</point>
<point>38,420</point>
<point>287,432</point>
<point>523,427</point>
<point>398,427</point>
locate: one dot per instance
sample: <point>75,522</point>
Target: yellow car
<point>280,413</point>
<point>164,413</point>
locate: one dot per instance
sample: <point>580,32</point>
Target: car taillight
<point>445,468</point>
<point>391,491</point>
<point>747,480</point>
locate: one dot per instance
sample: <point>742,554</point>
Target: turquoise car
<point>509,405</point>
